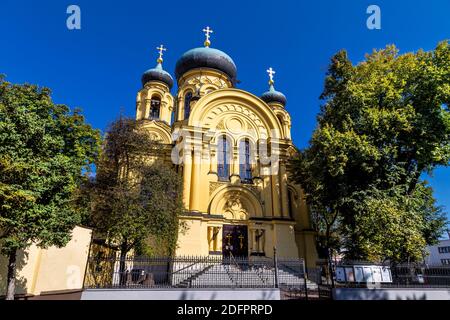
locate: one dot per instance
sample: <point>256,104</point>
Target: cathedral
<point>231,148</point>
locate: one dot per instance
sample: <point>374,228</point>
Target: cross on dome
<point>161,50</point>
<point>207,32</point>
<point>271,72</point>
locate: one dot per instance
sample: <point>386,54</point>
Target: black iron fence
<point>196,272</point>
<point>291,276</point>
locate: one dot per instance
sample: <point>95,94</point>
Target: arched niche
<point>235,203</point>
<point>159,131</point>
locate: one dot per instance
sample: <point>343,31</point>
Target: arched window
<point>280,119</point>
<point>245,168</point>
<point>187,104</point>
<point>155,106</point>
<point>223,159</point>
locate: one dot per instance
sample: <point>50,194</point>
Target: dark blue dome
<point>274,96</point>
<point>206,58</point>
<point>157,74</point>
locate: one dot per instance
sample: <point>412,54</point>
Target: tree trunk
<point>122,273</point>
<point>330,267</point>
<point>414,181</point>
<point>329,261</point>
<point>11,278</point>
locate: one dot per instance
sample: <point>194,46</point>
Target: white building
<point>439,255</point>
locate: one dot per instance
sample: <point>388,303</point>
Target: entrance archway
<point>235,203</point>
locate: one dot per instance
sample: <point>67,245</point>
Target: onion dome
<point>158,73</point>
<point>272,95</point>
<point>206,57</point>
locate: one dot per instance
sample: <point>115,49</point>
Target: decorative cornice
<point>213,186</point>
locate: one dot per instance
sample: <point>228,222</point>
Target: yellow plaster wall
<point>284,240</point>
<point>52,269</point>
<point>26,265</point>
<point>194,241</point>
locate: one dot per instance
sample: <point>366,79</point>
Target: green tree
<point>384,123</point>
<point>135,196</point>
<point>43,150</point>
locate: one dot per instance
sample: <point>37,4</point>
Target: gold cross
<point>241,243</point>
<point>161,50</point>
<point>228,237</point>
<point>271,72</point>
<point>207,31</point>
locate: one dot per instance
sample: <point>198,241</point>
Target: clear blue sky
<point>99,67</point>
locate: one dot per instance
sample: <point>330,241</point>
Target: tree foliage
<point>43,150</point>
<point>134,196</point>
<point>384,122</point>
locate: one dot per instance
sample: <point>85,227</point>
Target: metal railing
<point>194,272</point>
<point>398,275</point>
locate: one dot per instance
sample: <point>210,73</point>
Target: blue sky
<point>98,68</point>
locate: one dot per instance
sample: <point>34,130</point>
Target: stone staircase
<point>234,276</point>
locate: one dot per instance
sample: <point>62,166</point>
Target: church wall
<point>284,240</point>
<point>267,196</point>
<point>194,241</point>
<point>302,215</point>
<point>306,244</point>
<point>203,188</point>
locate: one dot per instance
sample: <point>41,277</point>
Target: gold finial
<point>161,50</point>
<point>207,31</point>
<point>271,72</point>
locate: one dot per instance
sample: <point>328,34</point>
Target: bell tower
<point>154,101</point>
<point>276,100</point>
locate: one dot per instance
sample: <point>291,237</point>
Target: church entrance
<point>235,241</point>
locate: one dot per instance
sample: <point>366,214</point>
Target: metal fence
<point>289,275</point>
<point>195,272</point>
<point>399,275</point>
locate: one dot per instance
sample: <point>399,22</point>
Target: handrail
<point>187,267</point>
<point>237,265</point>
<point>234,260</point>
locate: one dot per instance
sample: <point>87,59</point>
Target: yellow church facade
<point>232,149</point>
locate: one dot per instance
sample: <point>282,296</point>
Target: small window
<point>280,119</point>
<point>245,167</point>
<point>187,105</point>
<point>444,249</point>
<point>223,159</point>
<point>174,116</point>
<point>155,106</point>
